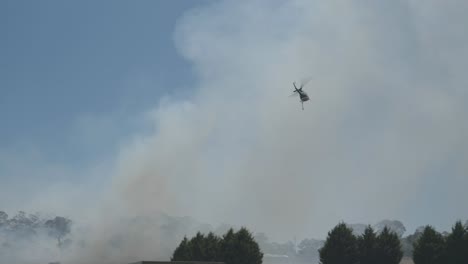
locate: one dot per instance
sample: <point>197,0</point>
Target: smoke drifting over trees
<point>28,238</point>
<point>384,133</point>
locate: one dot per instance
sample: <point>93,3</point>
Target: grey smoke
<point>384,134</point>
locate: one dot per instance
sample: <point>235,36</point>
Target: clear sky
<point>117,103</point>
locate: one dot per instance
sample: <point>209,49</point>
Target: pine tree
<point>367,243</point>
<point>234,248</point>
<point>197,247</point>
<point>388,247</point>
<point>240,248</point>
<point>182,252</point>
<point>227,246</point>
<point>340,246</point>
<point>456,249</point>
<point>465,240</point>
<point>248,247</point>
<point>429,248</point>
<point>212,247</point>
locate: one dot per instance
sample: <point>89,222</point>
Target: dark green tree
<point>456,245</point>
<point>340,246</point>
<point>234,248</point>
<point>198,247</point>
<point>240,248</point>
<point>182,252</point>
<point>367,246</point>
<point>429,248</point>
<point>466,240</point>
<point>227,246</point>
<point>212,247</point>
<point>388,247</point>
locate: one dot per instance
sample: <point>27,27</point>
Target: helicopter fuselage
<point>304,97</point>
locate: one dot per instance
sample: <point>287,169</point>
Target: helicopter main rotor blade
<point>295,93</point>
<point>305,81</point>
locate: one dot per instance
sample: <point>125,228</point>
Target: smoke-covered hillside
<point>32,238</point>
<point>36,238</point>
<point>116,113</point>
<point>28,237</point>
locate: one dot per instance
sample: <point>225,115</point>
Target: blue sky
<point>62,60</point>
<point>74,77</point>
<point>176,102</point>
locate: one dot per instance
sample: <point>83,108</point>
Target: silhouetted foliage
<point>367,246</point>
<point>429,248</point>
<point>457,249</point>
<point>233,248</point>
<point>26,229</point>
<point>59,227</point>
<point>227,245</point>
<point>340,246</point>
<point>197,246</point>
<point>388,247</point>
<point>240,247</point>
<point>182,252</point>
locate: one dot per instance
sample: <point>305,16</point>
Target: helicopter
<point>302,95</point>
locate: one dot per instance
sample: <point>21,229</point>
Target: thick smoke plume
<point>383,136</point>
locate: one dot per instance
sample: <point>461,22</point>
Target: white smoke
<point>385,116</point>
<point>385,125</point>
<point>383,136</point>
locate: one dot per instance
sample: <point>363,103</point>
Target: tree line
<point>433,247</point>
<point>24,227</point>
<point>429,247</point>
<point>342,246</point>
<point>231,248</point>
